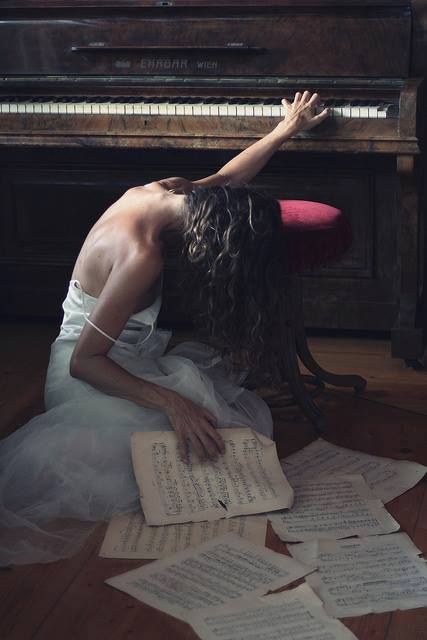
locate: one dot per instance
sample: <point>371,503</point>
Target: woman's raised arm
<point>300,116</point>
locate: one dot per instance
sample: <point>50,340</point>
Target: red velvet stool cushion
<point>315,234</point>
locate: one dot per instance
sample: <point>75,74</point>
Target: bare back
<point>134,221</point>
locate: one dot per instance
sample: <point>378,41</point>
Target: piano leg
<point>408,333</point>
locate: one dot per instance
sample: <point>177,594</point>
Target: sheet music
<point>386,477</point>
<point>366,575</point>
<point>214,573</point>
<point>297,614</point>
<point>331,508</point>
<point>129,536</point>
<point>247,479</point>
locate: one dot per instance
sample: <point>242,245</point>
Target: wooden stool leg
<point>357,382</point>
<point>292,375</point>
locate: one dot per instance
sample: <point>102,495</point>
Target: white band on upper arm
<point>92,324</point>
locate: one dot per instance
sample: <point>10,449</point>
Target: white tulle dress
<point>71,466</point>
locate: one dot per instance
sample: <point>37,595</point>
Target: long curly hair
<point>233,241</point>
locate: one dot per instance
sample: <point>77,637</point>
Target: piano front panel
<point>283,41</point>
<point>40,244</point>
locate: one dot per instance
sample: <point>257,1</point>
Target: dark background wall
<point>419,69</point>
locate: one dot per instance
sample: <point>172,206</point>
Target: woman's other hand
<point>194,426</point>
<point>301,114</point>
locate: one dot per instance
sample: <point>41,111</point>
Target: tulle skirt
<point>71,466</point>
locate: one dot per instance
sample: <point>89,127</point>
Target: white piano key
<point>163,109</point>
<point>232,110</point>
<point>70,108</point>
<point>54,107</point>
<point>29,107</point>
<point>372,112</point>
<point>364,112</point>
<point>78,107</point>
<point>38,107</point>
<point>346,111</point>
<point>171,109</point>
<point>206,110</point>
<point>197,109</point>
<point>214,109</point>
<point>382,113</point>
<point>103,108</point>
<point>45,107</point>
<point>5,107</point>
<point>276,110</point>
<point>266,110</point>
<point>62,107</point>
<point>223,110</point>
<point>87,108</point>
<point>188,109</point>
<point>335,112</point>
<point>240,109</point>
<point>95,108</point>
<point>112,108</point>
<point>258,110</point>
<point>249,109</point>
<point>355,112</point>
<point>128,109</point>
<point>180,110</point>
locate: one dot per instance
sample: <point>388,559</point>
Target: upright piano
<point>97,96</point>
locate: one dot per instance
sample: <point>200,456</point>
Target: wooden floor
<point>68,600</point>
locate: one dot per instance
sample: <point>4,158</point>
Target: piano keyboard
<point>138,106</point>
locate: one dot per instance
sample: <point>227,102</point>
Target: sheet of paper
<point>366,575</point>
<point>247,479</point>
<point>386,477</point>
<point>332,508</point>
<point>297,614</point>
<point>212,574</point>
<point>129,536</point>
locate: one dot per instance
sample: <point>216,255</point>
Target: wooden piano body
<point>98,96</point>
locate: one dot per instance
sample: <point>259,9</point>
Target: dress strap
<point>92,324</point>
<point>117,341</point>
<point>86,314</point>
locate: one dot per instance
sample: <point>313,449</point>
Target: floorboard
<point>69,600</point>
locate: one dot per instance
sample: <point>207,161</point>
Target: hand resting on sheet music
<point>195,427</point>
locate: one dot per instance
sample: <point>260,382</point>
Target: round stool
<point>315,235</point>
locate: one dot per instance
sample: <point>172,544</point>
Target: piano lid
<point>328,39</point>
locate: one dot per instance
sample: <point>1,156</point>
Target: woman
<point>108,373</point>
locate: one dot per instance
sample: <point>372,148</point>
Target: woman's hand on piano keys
<point>301,114</point>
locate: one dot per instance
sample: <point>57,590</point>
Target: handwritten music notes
<point>366,575</point>
<point>386,477</point>
<point>296,614</point>
<point>331,508</point>
<point>247,479</point>
<point>129,536</point>
<point>221,570</point>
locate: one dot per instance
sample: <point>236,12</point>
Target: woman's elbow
<point>76,367</point>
